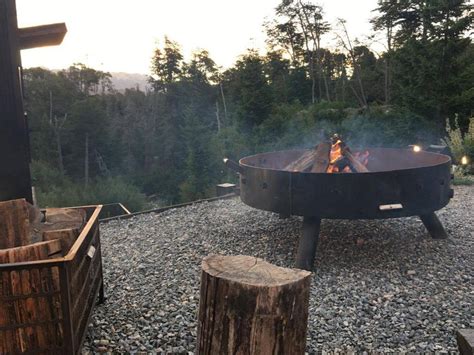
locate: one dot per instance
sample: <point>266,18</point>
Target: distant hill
<point>122,81</point>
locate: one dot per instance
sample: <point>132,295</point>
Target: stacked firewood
<point>29,234</point>
<point>332,156</point>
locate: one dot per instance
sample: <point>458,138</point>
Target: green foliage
<point>464,180</point>
<point>166,65</point>
<point>56,190</point>
<point>101,191</point>
<point>460,144</point>
<point>292,126</point>
<point>169,142</point>
<point>384,126</point>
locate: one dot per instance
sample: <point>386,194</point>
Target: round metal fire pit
<point>418,181</point>
<point>400,183</point>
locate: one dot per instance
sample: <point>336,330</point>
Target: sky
<point>120,35</point>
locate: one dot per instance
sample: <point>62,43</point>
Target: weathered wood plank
<point>66,236</point>
<point>14,224</point>
<point>29,308</point>
<point>41,36</point>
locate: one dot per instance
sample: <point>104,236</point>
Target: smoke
<point>375,127</point>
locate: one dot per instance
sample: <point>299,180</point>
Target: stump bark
<point>249,306</point>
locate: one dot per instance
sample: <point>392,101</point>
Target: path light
<point>416,148</point>
<point>464,160</point>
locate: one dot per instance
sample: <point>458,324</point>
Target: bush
<point>100,191</point>
<point>460,144</point>
<point>293,126</point>
<point>385,126</point>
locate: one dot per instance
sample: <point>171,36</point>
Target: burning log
<point>342,160</point>
<point>303,163</point>
<point>321,158</point>
<point>315,160</point>
<point>330,157</point>
<point>355,164</point>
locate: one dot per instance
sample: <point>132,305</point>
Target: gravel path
<point>379,286</point>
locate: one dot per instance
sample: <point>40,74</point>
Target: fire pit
<point>398,183</point>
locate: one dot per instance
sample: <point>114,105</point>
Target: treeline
<point>91,143</point>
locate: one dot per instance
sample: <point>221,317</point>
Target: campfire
<point>332,156</point>
<point>401,183</point>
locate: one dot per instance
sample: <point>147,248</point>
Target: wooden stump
<point>29,299</point>
<point>465,339</point>
<point>249,306</point>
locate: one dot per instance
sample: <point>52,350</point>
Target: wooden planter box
<point>52,318</point>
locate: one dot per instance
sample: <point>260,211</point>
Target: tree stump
<point>465,339</point>
<point>249,306</point>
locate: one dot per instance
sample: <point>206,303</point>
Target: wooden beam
<point>15,181</point>
<point>41,36</point>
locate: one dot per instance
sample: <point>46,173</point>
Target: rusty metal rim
<point>446,157</point>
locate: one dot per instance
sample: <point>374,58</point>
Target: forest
<point>93,144</point>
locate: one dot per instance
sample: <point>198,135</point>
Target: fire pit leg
<point>434,226</point>
<point>308,243</point>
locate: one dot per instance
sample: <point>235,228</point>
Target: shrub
<point>386,126</point>
<point>100,191</point>
<point>460,144</point>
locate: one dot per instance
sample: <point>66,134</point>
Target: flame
<point>336,154</point>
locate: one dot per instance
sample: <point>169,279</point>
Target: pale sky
<point>120,35</point>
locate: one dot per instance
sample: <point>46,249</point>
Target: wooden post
<point>15,181</point>
<point>249,306</point>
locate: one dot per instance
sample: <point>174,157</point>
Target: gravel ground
<point>378,286</point>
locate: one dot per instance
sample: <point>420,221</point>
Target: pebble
<point>361,299</point>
